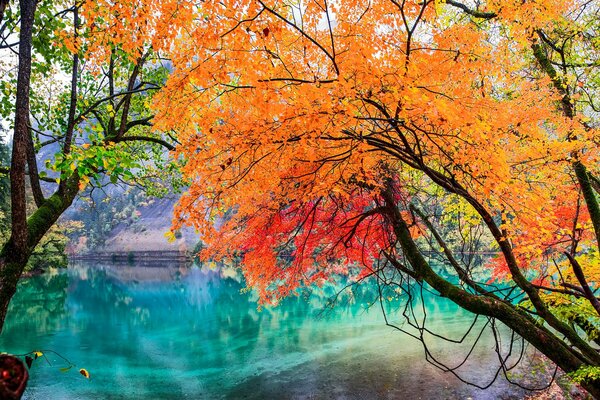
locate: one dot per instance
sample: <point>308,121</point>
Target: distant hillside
<point>118,218</point>
<point>121,220</point>
<point>146,233</point>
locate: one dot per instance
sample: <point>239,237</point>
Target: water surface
<point>174,332</point>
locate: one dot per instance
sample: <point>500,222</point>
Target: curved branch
<point>303,33</point>
<point>126,101</point>
<point>162,142</point>
<point>538,335</point>
<point>462,274</point>
<point>473,13</point>
<point>584,285</point>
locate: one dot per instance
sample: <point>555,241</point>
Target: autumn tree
<point>370,139</point>
<point>77,82</point>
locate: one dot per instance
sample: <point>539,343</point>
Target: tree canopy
<point>323,138</point>
<point>294,105</point>
<point>347,137</point>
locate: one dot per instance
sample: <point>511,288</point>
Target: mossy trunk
<point>13,259</point>
<point>568,356</point>
<point>10,272</point>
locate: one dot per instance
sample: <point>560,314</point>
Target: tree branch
<point>462,274</point>
<point>523,324</point>
<point>583,282</point>
<point>127,99</point>
<point>93,106</point>
<point>595,182</point>
<point>473,13</point>
<point>162,142</point>
<point>139,122</point>
<point>34,179</point>
<point>73,100</point>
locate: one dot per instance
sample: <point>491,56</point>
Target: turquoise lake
<point>175,332</point>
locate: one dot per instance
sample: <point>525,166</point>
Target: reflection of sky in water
<point>147,332</point>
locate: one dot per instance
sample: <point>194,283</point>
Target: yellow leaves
<point>170,235</point>
<point>439,6</point>
<point>85,373</point>
<point>456,209</point>
<point>110,110</point>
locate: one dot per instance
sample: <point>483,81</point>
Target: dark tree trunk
<point>13,256</point>
<point>13,260</point>
<point>567,357</point>
<point>20,139</point>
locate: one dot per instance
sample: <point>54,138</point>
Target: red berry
<point>5,374</point>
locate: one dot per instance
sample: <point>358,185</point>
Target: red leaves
<point>308,243</point>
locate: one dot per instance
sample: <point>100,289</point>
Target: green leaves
<point>586,373</point>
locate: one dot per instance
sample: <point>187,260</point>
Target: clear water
<point>172,332</point>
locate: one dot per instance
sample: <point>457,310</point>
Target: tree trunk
<point>13,256</point>
<point>567,357</point>
<point>19,153</point>
<point>13,260</point>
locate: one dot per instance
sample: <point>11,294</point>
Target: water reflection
<point>172,332</point>
<point>44,307</point>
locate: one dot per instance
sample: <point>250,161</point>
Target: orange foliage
<point>292,117</point>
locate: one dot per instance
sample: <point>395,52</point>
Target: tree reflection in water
<point>172,332</point>
<point>39,305</point>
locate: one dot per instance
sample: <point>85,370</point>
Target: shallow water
<point>172,332</point>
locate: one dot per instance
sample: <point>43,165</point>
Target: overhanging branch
<point>162,142</point>
<point>471,12</point>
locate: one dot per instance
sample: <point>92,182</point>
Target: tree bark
<point>588,195</point>
<point>19,154</point>
<point>13,256</point>
<point>13,259</point>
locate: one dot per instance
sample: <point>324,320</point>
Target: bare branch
<point>584,285</point>
<point>473,13</point>
<point>162,142</point>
